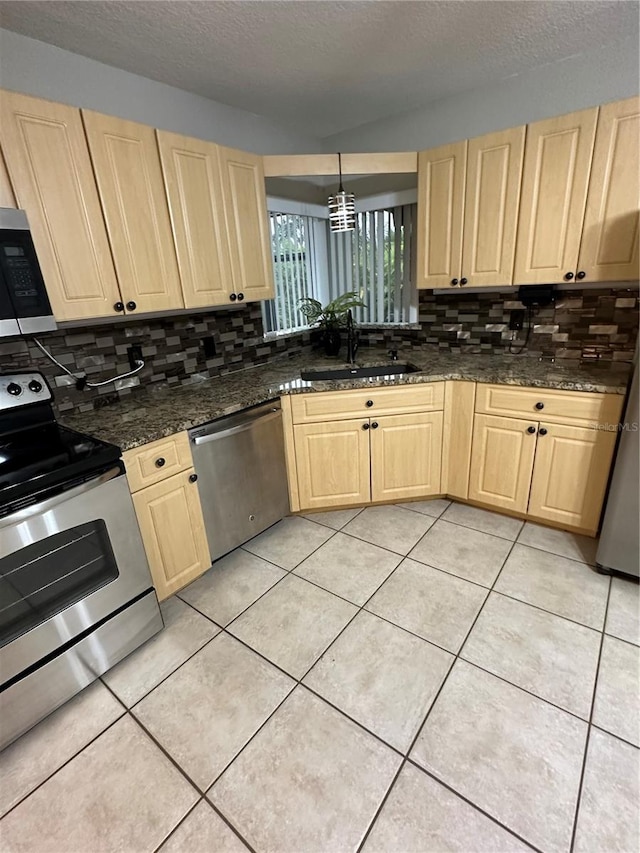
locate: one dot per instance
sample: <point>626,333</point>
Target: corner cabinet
<point>469,194</point>
<point>245,204</point>
<point>167,504</point>
<point>127,168</point>
<point>219,218</point>
<point>349,448</point>
<point>48,161</point>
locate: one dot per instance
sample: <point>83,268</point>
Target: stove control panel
<point>21,389</point>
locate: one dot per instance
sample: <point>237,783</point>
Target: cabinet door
<point>406,456</point>
<point>570,475</point>
<point>502,456</point>
<point>170,520</point>
<point>127,166</point>
<point>332,460</point>
<point>609,249</point>
<point>247,225</point>
<point>441,178</point>
<point>7,198</point>
<point>191,169</point>
<point>557,161</point>
<point>48,161</point>
<point>492,198</point>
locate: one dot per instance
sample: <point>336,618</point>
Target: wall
<point>171,348</point>
<point>586,80</point>
<point>36,68</point>
<point>581,320</point>
<point>590,323</point>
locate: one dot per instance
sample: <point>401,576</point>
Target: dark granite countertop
<point>149,414</point>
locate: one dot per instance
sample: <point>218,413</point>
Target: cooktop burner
<point>38,456</point>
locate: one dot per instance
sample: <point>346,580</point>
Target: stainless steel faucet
<point>352,339</point>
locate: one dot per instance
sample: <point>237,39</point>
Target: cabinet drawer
<point>342,405</point>
<point>577,407</point>
<point>157,461</point>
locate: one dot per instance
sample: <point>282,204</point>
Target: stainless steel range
<point>75,589</point>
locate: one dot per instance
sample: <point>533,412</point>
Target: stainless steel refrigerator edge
<point>619,548</point>
<point>242,476</point>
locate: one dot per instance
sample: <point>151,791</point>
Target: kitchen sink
<point>358,372</point>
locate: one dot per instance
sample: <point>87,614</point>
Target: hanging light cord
<point>81,381</point>
<point>530,315</point>
<point>340,188</point>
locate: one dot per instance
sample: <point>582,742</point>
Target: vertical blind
<point>377,260</point>
<point>294,268</point>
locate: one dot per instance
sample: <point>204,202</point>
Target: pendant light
<point>342,208</point>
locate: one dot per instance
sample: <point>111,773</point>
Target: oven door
<point>67,564</point>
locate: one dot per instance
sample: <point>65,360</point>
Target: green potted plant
<point>331,317</point>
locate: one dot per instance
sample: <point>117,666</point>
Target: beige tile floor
<point>419,678</point>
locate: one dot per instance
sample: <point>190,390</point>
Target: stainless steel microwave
<point>24,305</point>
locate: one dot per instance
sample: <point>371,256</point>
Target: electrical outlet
<point>209,346</point>
<point>134,353</point>
<point>516,320</point>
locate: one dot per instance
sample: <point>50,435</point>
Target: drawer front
<point>573,407</point>
<point>156,461</point>
<point>342,405</point>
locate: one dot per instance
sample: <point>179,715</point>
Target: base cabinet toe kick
<point>536,453</point>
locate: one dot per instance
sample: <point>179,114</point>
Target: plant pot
<point>332,342</point>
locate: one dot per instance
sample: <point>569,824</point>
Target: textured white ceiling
<point>325,66</point>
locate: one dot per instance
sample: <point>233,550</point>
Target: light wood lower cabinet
<point>549,471</point>
<point>172,527</point>
<point>351,462</point>
<point>332,461</point>
<point>406,456</point>
<point>502,455</point>
<point>570,474</point>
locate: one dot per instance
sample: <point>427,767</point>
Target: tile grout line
<point>576,814</point>
<point>299,682</point>
<point>434,701</point>
<point>64,764</point>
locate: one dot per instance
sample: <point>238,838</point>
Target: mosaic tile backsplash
<point>581,324</point>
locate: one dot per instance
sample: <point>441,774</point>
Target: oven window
<point>43,579</point>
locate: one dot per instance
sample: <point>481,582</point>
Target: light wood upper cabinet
<point>557,163</point>
<point>406,456</point>
<point>609,248</point>
<point>502,457</point>
<point>441,181</point>
<point>7,197</point>
<point>570,474</point>
<point>172,528</point>
<point>193,181</point>
<point>48,161</point>
<point>247,224</point>
<point>127,168</point>
<point>492,198</point>
<point>332,462</point>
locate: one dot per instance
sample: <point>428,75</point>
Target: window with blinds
<point>377,260</point>
<point>295,268</point>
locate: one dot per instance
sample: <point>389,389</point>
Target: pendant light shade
<point>342,207</point>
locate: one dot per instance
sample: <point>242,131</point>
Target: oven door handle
<point>50,503</point>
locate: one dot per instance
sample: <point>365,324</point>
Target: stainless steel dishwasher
<point>242,476</point>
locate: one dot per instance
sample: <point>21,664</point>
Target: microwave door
<point>23,284</point>
<point>8,323</point>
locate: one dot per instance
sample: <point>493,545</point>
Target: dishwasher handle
<point>222,432</point>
